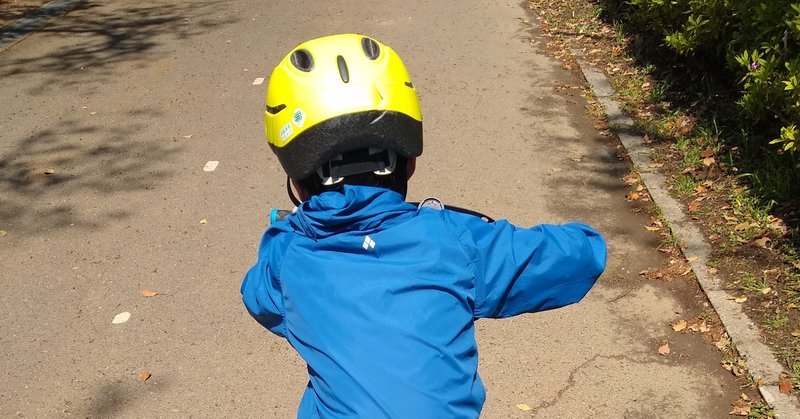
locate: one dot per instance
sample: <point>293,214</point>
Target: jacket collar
<point>357,209</point>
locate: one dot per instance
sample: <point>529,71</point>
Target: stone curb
<point>13,32</point>
<point>761,362</point>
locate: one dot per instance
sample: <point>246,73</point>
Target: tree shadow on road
<point>94,158</point>
<point>111,399</point>
<point>95,37</point>
<point>41,175</point>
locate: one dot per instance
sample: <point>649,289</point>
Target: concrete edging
<point>13,32</point>
<point>761,362</point>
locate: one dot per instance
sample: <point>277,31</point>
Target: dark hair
<point>396,181</point>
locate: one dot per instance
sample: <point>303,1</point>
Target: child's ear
<point>411,166</point>
<point>302,193</point>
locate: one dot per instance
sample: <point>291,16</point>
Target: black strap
<point>440,205</point>
<point>289,190</point>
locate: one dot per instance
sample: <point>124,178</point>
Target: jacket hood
<point>360,209</point>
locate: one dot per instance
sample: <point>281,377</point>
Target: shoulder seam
<point>471,263</point>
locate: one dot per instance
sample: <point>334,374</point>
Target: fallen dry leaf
<point>145,375</point>
<point>652,228</point>
<point>651,274</point>
<point>49,171</point>
<point>3,233</point>
<point>740,299</point>
<point>778,224</point>
<point>707,153</point>
<point>632,196</point>
<point>664,349</point>
<point>703,327</point>
<point>694,206</point>
<point>722,342</point>
<point>524,407</point>
<point>785,386</point>
<point>796,333</point>
<point>766,290</point>
<point>630,180</point>
<point>762,242</point>
<point>679,325</point>
<point>737,410</point>
<point>708,161</point>
<point>148,293</point>
<point>203,221</point>
<point>737,368</point>
<point>712,271</point>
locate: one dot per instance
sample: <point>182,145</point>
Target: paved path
<point>127,102</point>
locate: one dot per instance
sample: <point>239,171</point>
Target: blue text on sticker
<point>286,131</point>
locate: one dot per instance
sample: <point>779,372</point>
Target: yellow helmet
<point>337,94</point>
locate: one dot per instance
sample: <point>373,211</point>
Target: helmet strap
<point>376,160</point>
<point>290,191</point>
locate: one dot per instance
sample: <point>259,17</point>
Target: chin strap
<point>289,190</point>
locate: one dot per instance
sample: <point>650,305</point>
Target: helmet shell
<point>336,94</point>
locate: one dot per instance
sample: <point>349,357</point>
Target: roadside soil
<point>750,248</point>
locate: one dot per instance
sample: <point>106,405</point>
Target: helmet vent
<point>371,48</point>
<point>303,60</point>
<point>272,110</point>
<point>343,72</point>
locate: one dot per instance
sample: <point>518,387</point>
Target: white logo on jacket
<point>368,243</point>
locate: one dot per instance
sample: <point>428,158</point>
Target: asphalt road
<point>108,118</point>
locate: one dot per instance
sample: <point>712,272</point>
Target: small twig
<point>620,296</point>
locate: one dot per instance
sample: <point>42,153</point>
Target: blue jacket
<point>380,298</point>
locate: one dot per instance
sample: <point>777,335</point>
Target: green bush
<point>753,42</point>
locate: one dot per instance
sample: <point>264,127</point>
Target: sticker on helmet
<point>299,118</point>
<point>286,131</point>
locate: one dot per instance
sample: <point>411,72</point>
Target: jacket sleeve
<point>261,288</point>
<point>519,270</point>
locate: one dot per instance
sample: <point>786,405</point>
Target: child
<point>378,296</point>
